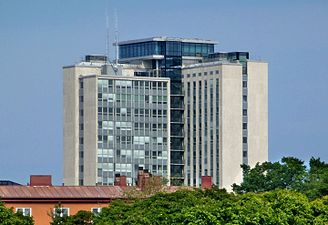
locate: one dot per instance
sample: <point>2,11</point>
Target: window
<point>24,211</point>
<point>61,212</point>
<point>244,83</point>
<point>245,126</point>
<point>245,140</point>
<point>244,112</point>
<point>95,211</point>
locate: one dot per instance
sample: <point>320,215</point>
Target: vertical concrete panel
<point>90,121</point>
<point>230,125</point>
<point>257,112</point>
<point>70,126</point>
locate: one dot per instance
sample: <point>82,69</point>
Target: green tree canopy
<point>290,174</point>
<point>203,207</point>
<point>8,217</point>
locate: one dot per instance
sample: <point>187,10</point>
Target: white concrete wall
<point>257,112</point>
<point>230,125</point>
<point>90,121</point>
<point>71,120</point>
<point>71,126</point>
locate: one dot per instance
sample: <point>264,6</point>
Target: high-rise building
<point>226,117</point>
<point>114,123</point>
<point>172,106</point>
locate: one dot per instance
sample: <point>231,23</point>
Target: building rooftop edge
<point>216,63</point>
<point>163,38</point>
<point>257,61</point>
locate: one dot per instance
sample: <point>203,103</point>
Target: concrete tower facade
<point>226,117</point>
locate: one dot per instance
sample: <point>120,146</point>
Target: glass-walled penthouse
<point>173,47</point>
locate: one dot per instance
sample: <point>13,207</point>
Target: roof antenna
<point>109,62</point>
<point>116,36</point>
<point>107,36</point>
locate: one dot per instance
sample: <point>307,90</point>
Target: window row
<point>128,84</point>
<point>160,99</point>
<point>200,74</point>
<point>137,112</point>
<point>57,212</point>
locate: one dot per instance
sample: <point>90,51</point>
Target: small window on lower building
<point>95,211</point>
<point>24,211</point>
<point>61,212</point>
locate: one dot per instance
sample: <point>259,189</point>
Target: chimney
<point>143,178</point>
<point>206,182</point>
<point>120,180</point>
<point>40,180</point>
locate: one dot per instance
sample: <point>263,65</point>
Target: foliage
<point>150,188</point>
<point>290,174</point>
<point>162,208</point>
<point>271,193</point>
<point>80,218</point>
<point>8,217</point>
<point>191,207</point>
<point>317,179</point>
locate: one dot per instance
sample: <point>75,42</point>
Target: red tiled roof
<point>60,192</point>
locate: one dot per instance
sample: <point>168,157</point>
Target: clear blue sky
<point>38,37</point>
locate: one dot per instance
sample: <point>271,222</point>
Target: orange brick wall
<point>41,211</point>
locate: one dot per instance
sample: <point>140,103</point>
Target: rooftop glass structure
<point>165,46</point>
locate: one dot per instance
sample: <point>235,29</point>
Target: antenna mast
<point>116,37</point>
<point>107,36</point>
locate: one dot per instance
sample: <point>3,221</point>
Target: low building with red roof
<point>39,199</point>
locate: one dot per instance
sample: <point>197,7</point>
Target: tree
<point>317,179</point>
<point>191,207</point>
<point>81,218</point>
<point>290,174</point>
<point>8,217</point>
